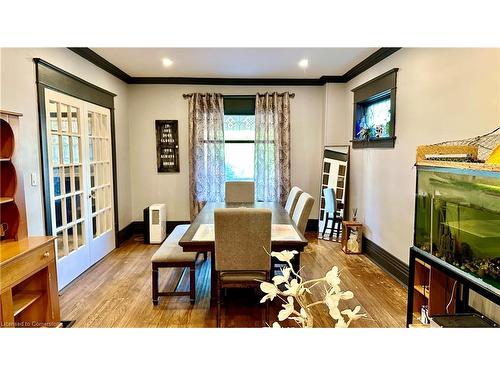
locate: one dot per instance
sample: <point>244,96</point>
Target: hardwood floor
<point>117,292</point>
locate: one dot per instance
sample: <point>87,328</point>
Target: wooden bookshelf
<point>23,300</point>
<point>12,212</point>
<point>433,289</point>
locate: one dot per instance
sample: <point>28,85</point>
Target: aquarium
<point>457,219</point>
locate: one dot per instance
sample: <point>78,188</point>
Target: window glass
<point>239,137</point>
<point>239,128</point>
<point>239,158</point>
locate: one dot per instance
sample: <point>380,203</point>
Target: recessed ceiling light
<point>167,62</point>
<point>304,63</point>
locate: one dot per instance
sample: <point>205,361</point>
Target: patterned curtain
<point>206,150</point>
<point>272,147</point>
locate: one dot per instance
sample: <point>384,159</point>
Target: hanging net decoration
<point>485,143</point>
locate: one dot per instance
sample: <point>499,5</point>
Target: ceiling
<point>234,62</point>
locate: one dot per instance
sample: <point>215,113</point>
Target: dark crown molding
<point>101,62</point>
<point>227,81</point>
<point>364,65</point>
<point>370,61</point>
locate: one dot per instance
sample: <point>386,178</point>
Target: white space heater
<point>155,223</point>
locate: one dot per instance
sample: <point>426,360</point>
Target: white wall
<point>442,94</point>
<point>18,93</point>
<point>337,131</point>
<point>148,103</point>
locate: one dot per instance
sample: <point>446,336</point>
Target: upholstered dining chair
<point>240,191</point>
<point>302,211</point>
<point>292,199</point>
<point>331,213</point>
<point>242,244</point>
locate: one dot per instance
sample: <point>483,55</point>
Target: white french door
<point>81,183</point>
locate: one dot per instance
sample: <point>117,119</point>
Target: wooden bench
<point>171,255</point>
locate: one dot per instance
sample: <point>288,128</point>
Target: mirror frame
<point>345,214</point>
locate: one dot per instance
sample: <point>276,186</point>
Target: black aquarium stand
<point>467,282</point>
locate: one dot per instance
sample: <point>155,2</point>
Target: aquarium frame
<point>467,280</point>
<point>461,171</point>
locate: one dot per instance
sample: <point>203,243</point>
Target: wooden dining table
<point>200,237</point>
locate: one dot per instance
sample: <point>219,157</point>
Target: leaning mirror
<point>334,189</point>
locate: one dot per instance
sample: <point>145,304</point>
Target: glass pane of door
<point>99,141</point>
<point>66,176</point>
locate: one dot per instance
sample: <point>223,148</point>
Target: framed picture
<point>167,146</point>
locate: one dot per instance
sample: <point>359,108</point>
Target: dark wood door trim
<point>51,77</point>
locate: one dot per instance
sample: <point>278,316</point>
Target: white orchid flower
<point>285,255</point>
<point>332,302</point>
<point>346,295</point>
<point>270,290</point>
<point>294,289</point>
<point>353,314</point>
<point>280,279</point>
<point>332,277</point>
<point>288,309</point>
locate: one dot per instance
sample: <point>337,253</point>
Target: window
<point>374,112</point>
<point>239,138</point>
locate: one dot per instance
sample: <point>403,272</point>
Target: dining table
<point>200,237</point>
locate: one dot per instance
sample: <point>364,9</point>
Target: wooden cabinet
<point>28,283</point>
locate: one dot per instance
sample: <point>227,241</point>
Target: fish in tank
<point>457,218</point>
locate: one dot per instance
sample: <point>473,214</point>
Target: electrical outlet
<point>34,179</point>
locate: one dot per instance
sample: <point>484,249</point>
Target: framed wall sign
<point>167,146</point>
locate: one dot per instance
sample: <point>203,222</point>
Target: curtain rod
<point>291,94</point>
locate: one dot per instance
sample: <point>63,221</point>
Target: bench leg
<point>154,283</point>
<point>192,284</point>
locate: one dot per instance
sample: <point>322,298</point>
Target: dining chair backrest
<point>302,211</point>
<point>292,199</point>
<point>330,201</point>
<point>240,191</point>
<point>242,239</point>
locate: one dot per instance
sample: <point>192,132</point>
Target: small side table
<point>352,235</point>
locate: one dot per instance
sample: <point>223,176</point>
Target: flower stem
<point>315,303</point>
